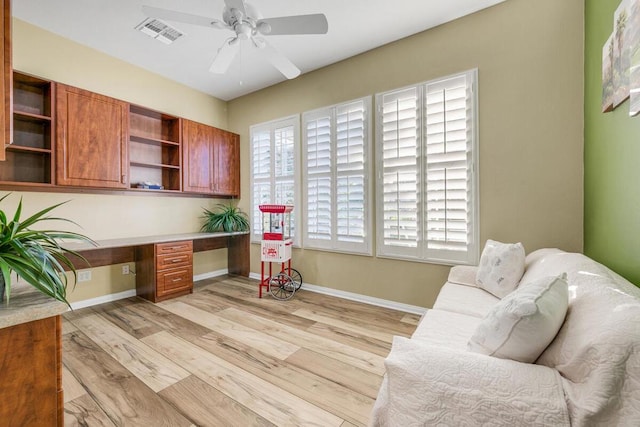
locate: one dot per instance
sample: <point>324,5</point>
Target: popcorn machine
<point>276,248</point>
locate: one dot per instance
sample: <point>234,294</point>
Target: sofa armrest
<point>430,385</point>
<point>463,275</point>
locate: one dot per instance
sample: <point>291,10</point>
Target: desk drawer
<point>174,281</point>
<point>164,262</point>
<point>174,247</point>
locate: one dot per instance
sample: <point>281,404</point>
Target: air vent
<point>159,30</point>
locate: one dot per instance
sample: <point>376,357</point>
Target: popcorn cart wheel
<point>281,286</point>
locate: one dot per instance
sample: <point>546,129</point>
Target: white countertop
<point>28,304</point>
<point>146,240</point>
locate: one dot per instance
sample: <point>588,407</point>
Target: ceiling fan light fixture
<point>263,27</point>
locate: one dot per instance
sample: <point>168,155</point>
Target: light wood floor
<point>221,356</point>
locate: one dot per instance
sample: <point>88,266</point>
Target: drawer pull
<point>176,280</point>
<point>176,260</point>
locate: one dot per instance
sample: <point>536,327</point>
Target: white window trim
<point>270,126</point>
<point>421,254</point>
<point>333,245</point>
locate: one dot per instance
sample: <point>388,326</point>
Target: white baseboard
<point>407,308</point>
<point>132,292</point>
<point>210,275</point>
<point>105,298</point>
<point>414,309</point>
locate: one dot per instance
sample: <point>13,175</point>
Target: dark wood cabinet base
<point>31,367</point>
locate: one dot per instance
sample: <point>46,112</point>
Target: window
<point>274,165</point>
<point>336,181</point>
<point>426,150</point>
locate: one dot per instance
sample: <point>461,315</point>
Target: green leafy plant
<point>227,218</point>
<point>36,256</point>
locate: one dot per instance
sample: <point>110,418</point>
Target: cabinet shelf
<point>15,147</point>
<point>30,117</point>
<point>154,149</point>
<point>30,156</point>
<point>154,190</point>
<point>154,165</point>
<point>152,141</point>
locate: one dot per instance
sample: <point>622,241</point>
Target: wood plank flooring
<point>224,357</point>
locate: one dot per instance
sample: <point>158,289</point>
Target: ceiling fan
<point>247,24</point>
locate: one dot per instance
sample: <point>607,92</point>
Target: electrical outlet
<point>125,269</point>
<point>84,276</point>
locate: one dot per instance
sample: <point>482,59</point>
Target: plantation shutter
<point>398,190</point>
<point>336,141</point>
<point>318,150</point>
<point>261,171</point>
<point>350,171</point>
<point>273,168</point>
<point>427,187</point>
<point>448,166</point>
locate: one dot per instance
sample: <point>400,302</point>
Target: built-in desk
<point>144,252</point>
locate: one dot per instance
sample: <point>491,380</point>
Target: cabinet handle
<point>176,280</point>
<point>176,260</point>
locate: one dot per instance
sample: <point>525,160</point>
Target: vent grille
<point>159,30</point>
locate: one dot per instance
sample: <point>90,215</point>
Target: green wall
<point>611,160</point>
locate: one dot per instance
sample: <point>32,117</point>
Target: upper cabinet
<point>197,153</point>
<point>29,159</point>
<point>91,139</point>
<point>211,160</point>
<point>71,137</point>
<point>154,150</point>
<point>226,164</point>
<point>6,116</point>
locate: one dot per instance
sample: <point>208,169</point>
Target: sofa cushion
<point>501,267</point>
<point>463,299</point>
<point>446,329</point>
<point>524,322</point>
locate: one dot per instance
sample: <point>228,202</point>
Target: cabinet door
<point>226,155</point>
<point>197,155</point>
<point>6,90</point>
<point>91,133</point>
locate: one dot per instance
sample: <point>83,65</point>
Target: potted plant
<point>36,256</point>
<point>227,218</point>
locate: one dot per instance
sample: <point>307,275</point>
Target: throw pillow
<point>501,267</point>
<point>523,323</point>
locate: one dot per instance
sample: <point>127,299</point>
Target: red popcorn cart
<point>276,248</point>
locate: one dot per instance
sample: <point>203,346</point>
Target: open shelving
<point>154,149</point>
<point>29,158</point>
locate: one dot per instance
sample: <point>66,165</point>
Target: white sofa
<point>588,376</point>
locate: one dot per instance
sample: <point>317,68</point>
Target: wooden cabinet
<point>91,139</point>
<point>71,137</point>
<point>29,159</point>
<point>6,116</point>
<point>31,367</point>
<point>211,160</point>
<point>197,153</point>
<point>164,270</point>
<point>154,150</point>
<point>226,161</point>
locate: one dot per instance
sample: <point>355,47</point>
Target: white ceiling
<point>355,26</point>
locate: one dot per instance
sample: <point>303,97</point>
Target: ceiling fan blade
<point>225,55</point>
<point>300,24</point>
<point>278,60</point>
<point>236,4</point>
<point>186,18</point>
